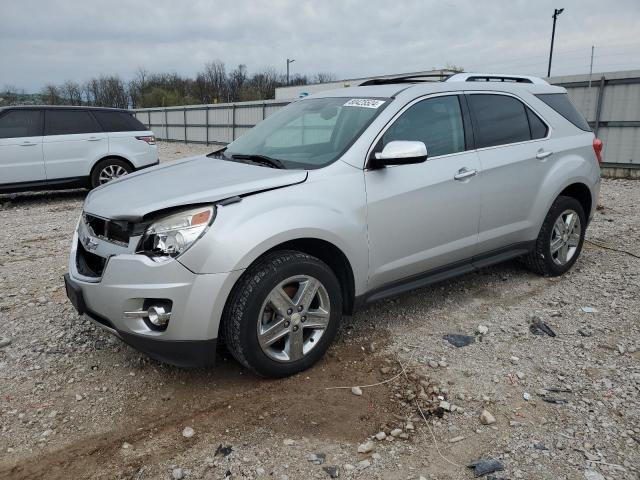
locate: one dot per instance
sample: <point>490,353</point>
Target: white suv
<point>68,147</point>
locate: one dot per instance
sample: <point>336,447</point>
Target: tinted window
<point>537,126</point>
<point>500,120</point>
<point>118,122</point>
<point>68,122</point>
<point>437,122</point>
<point>560,103</point>
<point>21,123</point>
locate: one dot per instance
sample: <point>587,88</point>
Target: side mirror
<point>400,152</point>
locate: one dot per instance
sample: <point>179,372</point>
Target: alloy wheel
<point>293,318</point>
<point>565,237</point>
<point>111,172</point>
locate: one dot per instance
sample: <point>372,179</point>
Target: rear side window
<point>119,122</point>
<point>500,120</point>
<point>69,122</point>
<point>436,121</point>
<point>21,123</point>
<point>538,128</point>
<point>560,103</point>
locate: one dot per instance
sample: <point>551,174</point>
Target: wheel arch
<point>582,194</point>
<point>106,157</point>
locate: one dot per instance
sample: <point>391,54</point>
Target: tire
<point>255,314</point>
<point>542,259</point>
<point>109,167</point>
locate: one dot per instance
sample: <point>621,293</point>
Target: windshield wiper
<point>261,159</point>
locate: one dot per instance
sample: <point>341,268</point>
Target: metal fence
<point>610,102</point>
<point>216,123</point>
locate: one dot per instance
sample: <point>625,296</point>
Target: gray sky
<point>45,41</point>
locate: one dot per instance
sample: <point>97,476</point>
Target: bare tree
<point>324,77</point>
<point>51,94</point>
<point>71,93</point>
<point>9,95</point>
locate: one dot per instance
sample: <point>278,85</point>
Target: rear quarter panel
<point>138,152</point>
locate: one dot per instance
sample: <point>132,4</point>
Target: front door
<point>424,216</point>
<point>21,147</point>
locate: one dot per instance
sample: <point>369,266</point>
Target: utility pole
<point>591,66</point>
<point>556,12</point>
<point>289,61</point>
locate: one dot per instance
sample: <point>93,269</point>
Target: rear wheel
<point>560,240</point>
<point>283,314</point>
<point>109,169</point>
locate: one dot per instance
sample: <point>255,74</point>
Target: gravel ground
<point>77,403</point>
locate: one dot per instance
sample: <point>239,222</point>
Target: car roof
<point>62,107</point>
<point>425,88</point>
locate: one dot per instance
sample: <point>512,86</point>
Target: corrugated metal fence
<point>610,102</point>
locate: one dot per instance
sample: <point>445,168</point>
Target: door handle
<point>93,139</point>
<point>541,155</point>
<point>28,144</point>
<point>465,173</point>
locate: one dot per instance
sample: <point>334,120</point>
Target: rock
<point>356,391</point>
<point>78,397</point>
<point>520,375</point>
<point>366,447</point>
<point>348,467</point>
<point>485,466</point>
<point>445,405</point>
<point>433,364</point>
<point>288,442</point>
<point>482,329</point>
<point>456,439</point>
<point>5,342</point>
<point>526,396</point>
<point>385,370</point>
<point>364,464</point>
<point>458,340</point>
<point>589,310</point>
<point>486,418</point>
<point>396,432</point>
<point>514,359</point>
<point>381,436</point>
<point>188,432</point>
<point>126,446</point>
<point>316,458</point>
<point>332,471</point>
<point>260,471</point>
<point>591,474</point>
<point>177,473</point>
<point>224,451</point>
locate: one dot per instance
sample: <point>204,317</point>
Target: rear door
<point>73,142</point>
<point>510,138</point>
<point>128,137</point>
<point>21,147</point>
<point>424,216</point>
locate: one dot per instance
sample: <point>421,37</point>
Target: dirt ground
<point>76,403</point>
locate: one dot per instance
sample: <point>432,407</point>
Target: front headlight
<point>171,236</point>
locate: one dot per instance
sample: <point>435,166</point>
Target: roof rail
<point>418,78</point>
<point>495,77</point>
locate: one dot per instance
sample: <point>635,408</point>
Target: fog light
<point>158,315</point>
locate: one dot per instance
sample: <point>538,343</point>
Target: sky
<point>45,42</point>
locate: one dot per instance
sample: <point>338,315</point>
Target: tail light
<point>151,140</point>
<point>597,148</point>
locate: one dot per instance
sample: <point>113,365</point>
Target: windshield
<point>309,133</point>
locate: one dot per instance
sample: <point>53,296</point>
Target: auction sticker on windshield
<point>364,102</point>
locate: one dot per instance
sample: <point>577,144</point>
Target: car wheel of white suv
<point>560,240</point>
<point>283,314</point>
<point>109,169</point>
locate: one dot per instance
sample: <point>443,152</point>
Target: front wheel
<point>283,314</point>
<point>560,240</point>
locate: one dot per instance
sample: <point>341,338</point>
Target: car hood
<point>190,181</point>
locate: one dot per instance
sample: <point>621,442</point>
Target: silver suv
<point>337,200</point>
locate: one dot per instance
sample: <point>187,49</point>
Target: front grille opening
<point>109,230</point>
<point>89,264</point>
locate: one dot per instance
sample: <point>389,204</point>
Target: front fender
<point>244,231</point>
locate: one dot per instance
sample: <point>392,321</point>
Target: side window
<point>560,103</point>
<point>537,126</point>
<point>118,122</point>
<point>500,120</point>
<point>21,123</point>
<point>436,121</point>
<point>69,122</point>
